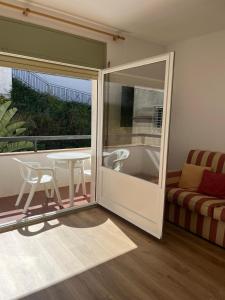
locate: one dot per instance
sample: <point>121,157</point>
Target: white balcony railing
<point>40,85</point>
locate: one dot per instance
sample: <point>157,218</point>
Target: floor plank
<point>93,254</point>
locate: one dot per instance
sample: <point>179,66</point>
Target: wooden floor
<point>95,255</point>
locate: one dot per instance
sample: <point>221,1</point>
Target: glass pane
<point>132,124</point>
<point>48,116</point>
<point>55,109</point>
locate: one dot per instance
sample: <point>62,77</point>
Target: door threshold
<point>44,217</point>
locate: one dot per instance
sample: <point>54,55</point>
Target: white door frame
<point>168,58</point>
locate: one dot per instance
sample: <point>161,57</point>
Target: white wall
<point>198,101</point>
<point>130,50</point>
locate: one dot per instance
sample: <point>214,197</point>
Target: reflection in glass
<point>132,124</point>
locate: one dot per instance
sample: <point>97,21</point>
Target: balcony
<point>11,180</point>
<point>142,159</point>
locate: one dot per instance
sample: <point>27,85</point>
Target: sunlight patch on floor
<point>50,252</point>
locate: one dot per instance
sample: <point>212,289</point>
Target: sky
<point>70,82</point>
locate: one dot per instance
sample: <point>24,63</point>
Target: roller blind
<point>31,40</point>
<point>55,68</point>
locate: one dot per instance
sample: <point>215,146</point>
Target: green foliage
<point>48,115</point>
<point>11,126</point>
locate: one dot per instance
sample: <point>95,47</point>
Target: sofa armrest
<point>172,178</point>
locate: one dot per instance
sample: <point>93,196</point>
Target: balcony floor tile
<point>39,205</point>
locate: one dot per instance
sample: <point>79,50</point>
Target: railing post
<point>35,145</point>
<point>48,89</point>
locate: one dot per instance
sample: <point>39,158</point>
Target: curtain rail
<point>27,11</point>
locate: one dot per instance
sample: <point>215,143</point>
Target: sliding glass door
<point>48,119</point>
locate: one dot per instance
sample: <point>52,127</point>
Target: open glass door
<point>134,112</point>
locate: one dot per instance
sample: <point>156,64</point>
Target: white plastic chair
<point>115,159</point>
<point>33,174</point>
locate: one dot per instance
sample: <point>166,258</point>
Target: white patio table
<point>71,157</point>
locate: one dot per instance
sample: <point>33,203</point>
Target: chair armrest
<point>118,160</point>
<point>37,167</point>
<point>43,170</point>
<point>172,178</point>
<point>32,164</point>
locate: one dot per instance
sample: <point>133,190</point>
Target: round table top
<point>69,155</point>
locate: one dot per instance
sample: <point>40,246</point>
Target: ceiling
<point>159,21</point>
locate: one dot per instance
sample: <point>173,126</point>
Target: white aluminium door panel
<point>134,112</point>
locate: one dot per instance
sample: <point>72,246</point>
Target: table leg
<point>83,180</point>
<point>71,182</point>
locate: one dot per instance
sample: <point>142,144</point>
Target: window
<point>55,109</point>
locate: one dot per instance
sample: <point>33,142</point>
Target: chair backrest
<point>215,160</point>
<point>116,159</point>
<point>26,170</point>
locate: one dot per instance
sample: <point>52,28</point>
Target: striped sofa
<point>201,214</point>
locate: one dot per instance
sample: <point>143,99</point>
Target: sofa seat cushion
<point>194,201</point>
<point>219,213</point>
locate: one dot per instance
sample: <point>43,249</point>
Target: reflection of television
<point>127,106</point>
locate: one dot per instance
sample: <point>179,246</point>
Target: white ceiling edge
<point>65,15</point>
<point>10,12</point>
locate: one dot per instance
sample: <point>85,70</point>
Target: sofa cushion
<point>212,184</point>
<point>194,201</point>
<point>219,213</point>
<point>191,176</point>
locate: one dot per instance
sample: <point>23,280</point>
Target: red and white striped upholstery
<point>200,214</point>
<point>219,213</point>
<point>216,160</point>
<point>206,227</point>
<point>201,204</point>
<point>173,178</point>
